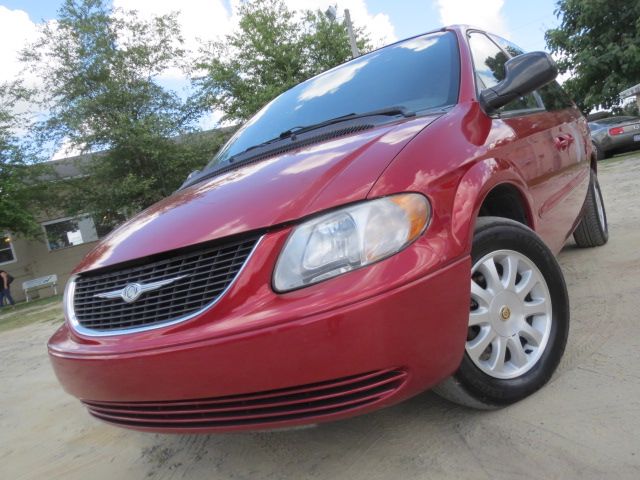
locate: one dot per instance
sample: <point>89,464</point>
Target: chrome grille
<point>205,275</point>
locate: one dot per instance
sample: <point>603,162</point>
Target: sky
<point>521,21</point>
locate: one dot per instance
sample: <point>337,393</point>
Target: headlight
<point>350,238</point>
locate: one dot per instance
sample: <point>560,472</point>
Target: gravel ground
<point>584,424</point>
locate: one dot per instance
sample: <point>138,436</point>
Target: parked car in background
<point>614,135</point>
<point>383,228</point>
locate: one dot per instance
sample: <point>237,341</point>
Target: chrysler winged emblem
<point>132,291</point>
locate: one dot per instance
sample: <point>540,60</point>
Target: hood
<point>268,193</point>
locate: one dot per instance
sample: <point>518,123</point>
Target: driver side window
<point>553,96</point>
<point>488,61</point>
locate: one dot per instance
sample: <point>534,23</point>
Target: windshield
<point>419,74</point>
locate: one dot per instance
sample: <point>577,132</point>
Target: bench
<point>41,282</point>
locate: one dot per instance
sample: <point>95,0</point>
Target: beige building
<point>632,92</point>
<point>65,241</point>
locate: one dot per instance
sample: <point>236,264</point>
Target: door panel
<point>547,147</point>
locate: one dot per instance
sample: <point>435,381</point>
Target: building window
<point>7,255</point>
<point>69,232</point>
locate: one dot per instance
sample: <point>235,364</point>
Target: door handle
<point>563,141</point>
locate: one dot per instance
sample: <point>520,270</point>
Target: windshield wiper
<point>291,133</point>
<point>241,157</point>
<point>389,111</point>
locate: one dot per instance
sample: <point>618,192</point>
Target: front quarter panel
<point>463,155</point>
<point>453,163</point>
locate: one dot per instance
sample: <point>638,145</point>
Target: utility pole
<point>352,38</point>
<point>331,14</point>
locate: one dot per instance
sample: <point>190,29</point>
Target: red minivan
<point>386,227</point>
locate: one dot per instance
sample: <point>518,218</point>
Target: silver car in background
<point>614,135</point>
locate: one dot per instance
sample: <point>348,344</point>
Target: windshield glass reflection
<point>418,74</point>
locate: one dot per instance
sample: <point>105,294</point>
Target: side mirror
<point>523,74</point>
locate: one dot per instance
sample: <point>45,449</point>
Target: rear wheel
<point>518,318</point>
<point>597,151</point>
<point>593,230</point>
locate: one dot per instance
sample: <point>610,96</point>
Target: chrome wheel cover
<point>510,315</point>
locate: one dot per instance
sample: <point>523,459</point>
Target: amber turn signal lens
<point>418,212</point>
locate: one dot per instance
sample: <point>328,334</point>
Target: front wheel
<point>518,318</point>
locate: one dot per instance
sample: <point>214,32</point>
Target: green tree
<point>598,41</point>
<point>272,50</point>
<point>326,42</point>
<point>631,109</point>
<point>20,192</point>
<point>99,70</point>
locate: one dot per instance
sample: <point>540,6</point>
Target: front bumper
<point>351,358</point>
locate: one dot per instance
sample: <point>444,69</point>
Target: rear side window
<point>553,96</point>
<point>488,61</point>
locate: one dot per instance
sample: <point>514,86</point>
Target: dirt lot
<point>584,424</point>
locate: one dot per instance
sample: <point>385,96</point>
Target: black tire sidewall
<point>507,235</point>
<point>597,194</point>
<point>598,151</point>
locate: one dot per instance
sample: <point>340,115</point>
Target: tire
<point>593,230</point>
<point>525,355</point>
<point>597,151</point>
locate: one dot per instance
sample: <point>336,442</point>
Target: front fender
<point>454,163</point>
<point>472,190</point>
